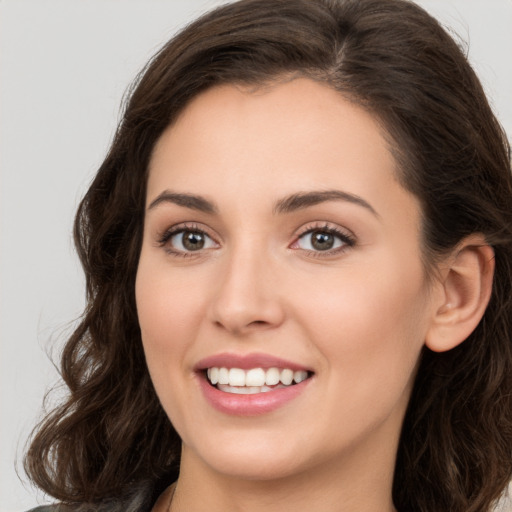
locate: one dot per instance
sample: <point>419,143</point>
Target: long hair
<point>398,63</point>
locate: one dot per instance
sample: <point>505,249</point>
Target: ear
<point>464,291</point>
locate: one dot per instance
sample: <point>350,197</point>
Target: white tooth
<point>233,390</point>
<point>299,376</point>
<point>223,376</point>
<point>247,390</point>
<point>241,390</point>
<point>286,377</point>
<point>236,377</point>
<point>213,375</point>
<point>272,376</point>
<point>255,377</point>
<point>208,373</point>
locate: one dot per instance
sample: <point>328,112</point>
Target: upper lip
<point>247,361</point>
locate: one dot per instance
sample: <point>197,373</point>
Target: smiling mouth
<point>254,380</point>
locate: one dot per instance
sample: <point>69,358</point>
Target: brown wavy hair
<point>398,63</point>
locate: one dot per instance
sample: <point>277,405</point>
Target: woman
<point>298,260</point>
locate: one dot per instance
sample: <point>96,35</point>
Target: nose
<point>247,298</point>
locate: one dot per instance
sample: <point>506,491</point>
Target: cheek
<point>168,309</point>
<point>372,325</point>
<point>168,313</point>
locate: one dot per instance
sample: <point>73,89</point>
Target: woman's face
<point>278,243</point>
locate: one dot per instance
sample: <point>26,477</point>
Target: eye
<point>191,241</point>
<point>183,241</point>
<point>319,241</point>
<point>323,239</point>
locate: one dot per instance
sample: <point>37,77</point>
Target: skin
<point>357,317</point>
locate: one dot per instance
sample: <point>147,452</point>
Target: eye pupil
<point>322,241</point>
<point>193,240</point>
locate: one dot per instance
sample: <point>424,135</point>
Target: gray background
<point>64,66</point>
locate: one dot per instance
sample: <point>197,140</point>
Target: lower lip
<point>250,405</point>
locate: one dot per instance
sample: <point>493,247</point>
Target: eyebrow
<point>292,203</point>
<point>191,201</point>
<point>302,200</point>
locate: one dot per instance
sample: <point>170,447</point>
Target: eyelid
<point>345,235</point>
<point>164,236</point>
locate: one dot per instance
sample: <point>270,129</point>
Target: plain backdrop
<point>64,66</point>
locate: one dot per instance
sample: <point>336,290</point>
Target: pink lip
<point>250,405</point>
<point>246,362</point>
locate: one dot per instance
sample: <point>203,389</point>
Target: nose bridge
<point>247,297</point>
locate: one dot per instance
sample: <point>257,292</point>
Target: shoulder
<point>59,507</point>
<point>140,498</point>
<point>46,508</point>
<point>112,506</point>
<point>134,505</point>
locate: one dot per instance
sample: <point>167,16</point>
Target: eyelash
<point>167,235</point>
<point>347,239</point>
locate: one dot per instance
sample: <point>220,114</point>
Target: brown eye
<point>190,241</point>
<point>322,241</point>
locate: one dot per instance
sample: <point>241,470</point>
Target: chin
<point>251,459</point>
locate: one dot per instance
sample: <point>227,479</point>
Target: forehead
<point>296,135</point>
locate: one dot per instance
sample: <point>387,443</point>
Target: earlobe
<point>465,291</point>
